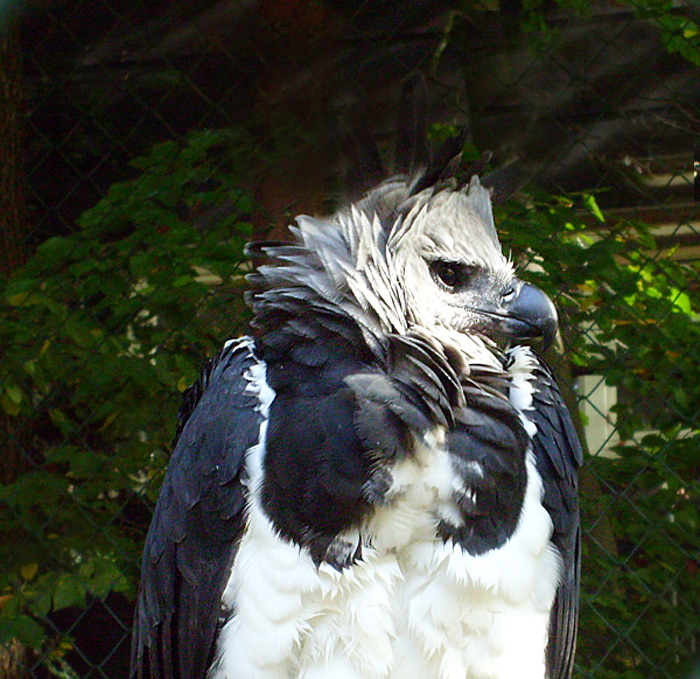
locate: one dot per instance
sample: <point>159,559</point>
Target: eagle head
<point>409,255</point>
<point>445,252</point>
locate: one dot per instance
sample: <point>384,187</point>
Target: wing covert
<point>558,456</point>
<point>198,518</point>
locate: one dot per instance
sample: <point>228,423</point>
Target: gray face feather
<point>447,254</point>
<point>397,260</point>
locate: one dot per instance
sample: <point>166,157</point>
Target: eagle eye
<point>451,275</point>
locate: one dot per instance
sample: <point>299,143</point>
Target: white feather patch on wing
<point>257,385</point>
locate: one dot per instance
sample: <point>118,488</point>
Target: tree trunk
<point>12,223</point>
<point>12,218</point>
<point>13,229</point>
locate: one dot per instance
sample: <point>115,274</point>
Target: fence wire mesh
<point>143,143</point>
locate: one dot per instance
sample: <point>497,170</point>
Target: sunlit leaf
<point>590,202</point>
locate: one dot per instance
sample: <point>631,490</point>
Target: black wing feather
<point>558,456</point>
<point>199,516</point>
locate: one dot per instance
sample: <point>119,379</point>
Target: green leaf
<point>681,301</point>
<point>62,421</point>
<point>69,591</point>
<point>55,251</point>
<point>40,604</point>
<point>182,281</point>
<point>590,202</point>
<point>29,570</point>
<point>9,406</point>
<point>23,628</point>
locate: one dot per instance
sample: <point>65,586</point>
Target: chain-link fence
<point>142,143</point>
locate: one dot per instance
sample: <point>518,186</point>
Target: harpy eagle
<point>381,483</point>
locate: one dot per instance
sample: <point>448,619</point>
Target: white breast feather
<point>521,390</point>
<point>414,606</point>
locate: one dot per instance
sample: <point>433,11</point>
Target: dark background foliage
<point>143,143</point>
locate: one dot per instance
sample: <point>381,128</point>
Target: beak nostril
<point>509,295</point>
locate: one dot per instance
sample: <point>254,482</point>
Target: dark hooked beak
<point>530,314</point>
